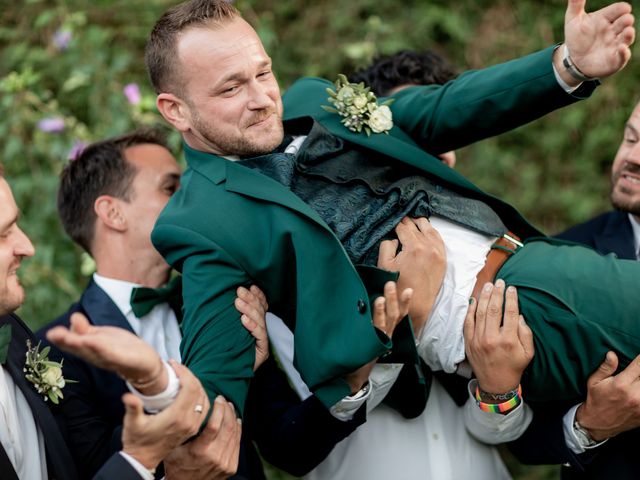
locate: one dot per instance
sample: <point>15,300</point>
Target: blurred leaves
<point>71,59</point>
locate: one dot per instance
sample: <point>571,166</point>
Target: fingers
<point>483,304</point>
<point>133,410</point>
<point>470,321</point>
<point>605,370</point>
<point>79,323</point>
<point>525,335</point>
<point>511,319</point>
<point>259,294</point>
<point>631,373</point>
<point>190,394</point>
<point>406,231</point>
<point>494,308</point>
<point>390,309</point>
<point>387,254</point>
<point>575,8</point>
<point>614,11</point>
<point>622,22</point>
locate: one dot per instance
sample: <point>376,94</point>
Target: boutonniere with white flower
<point>45,374</point>
<point>358,106</point>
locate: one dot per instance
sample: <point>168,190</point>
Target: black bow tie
<point>144,299</point>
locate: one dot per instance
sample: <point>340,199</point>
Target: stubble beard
<point>242,145</point>
<point>11,298</point>
<point>621,197</point>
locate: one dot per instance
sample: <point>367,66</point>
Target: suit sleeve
<point>117,467</point>
<point>215,346</point>
<point>482,103</point>
<point>284,427</point>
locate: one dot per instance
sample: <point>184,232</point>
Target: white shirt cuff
<point>160,401</point>
<point>141,469</point>
<point>381,379</point>
<point>570,437</point>
<point>346,408</point>
<point>493,428</point>
<point>562,83</point>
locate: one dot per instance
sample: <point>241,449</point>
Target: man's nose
<point>260,98</point>
<point>23,246</point>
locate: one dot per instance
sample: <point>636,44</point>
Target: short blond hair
<point>161,51</point>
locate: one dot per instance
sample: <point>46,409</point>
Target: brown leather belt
<point>502,249</point>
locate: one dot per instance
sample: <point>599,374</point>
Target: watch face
<point>583,436</point>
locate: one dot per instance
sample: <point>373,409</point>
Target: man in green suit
<point>230,225</point>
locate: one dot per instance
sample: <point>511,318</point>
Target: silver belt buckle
<point>517,243</point>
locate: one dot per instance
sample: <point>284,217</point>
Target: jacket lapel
<point>59,460</point>
<point>616,236</point>
<point>243,180</point>
<point>100,308</point>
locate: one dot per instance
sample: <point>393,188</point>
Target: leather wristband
<point>571,67</point>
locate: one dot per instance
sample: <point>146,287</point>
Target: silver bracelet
<point>571,67</point>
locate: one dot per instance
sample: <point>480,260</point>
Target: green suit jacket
<point>229,226</point>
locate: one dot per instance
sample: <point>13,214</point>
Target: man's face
<point>156,179</point>
<point>14,246</point>
<point>625,173</point>
<point>231,94</point>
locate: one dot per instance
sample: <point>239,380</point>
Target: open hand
<point>421,263</point>
<point>599,41</point>
<point>115,349</point>
<point>253,306</point>
<point>498,354</point>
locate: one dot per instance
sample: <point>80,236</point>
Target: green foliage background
<point>555,170</point>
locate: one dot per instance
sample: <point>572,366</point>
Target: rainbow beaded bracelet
<point>503,407</point>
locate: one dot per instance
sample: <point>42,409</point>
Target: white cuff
<point>381,379</point>
<point>561,82</point>
<point>570,437</point>
<point>141,469</point>
<point>160,401</point>
<point>346,408</point>
<point>493,428</point>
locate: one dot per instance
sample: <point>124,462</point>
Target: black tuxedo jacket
<point>610,232</point>
<point>60,464</point>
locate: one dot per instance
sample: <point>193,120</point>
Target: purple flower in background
<point>76,150</point>
<point>61,39</point>
<point>132,92</point>
<point>51,125</point>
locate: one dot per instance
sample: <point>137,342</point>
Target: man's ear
<point>174,111</point>
<point>108,211</point>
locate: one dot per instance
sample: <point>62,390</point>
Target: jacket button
<point>362,307</point>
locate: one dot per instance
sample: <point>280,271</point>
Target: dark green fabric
<point>229,226</point>
<point>579,305</point>
<point>5,340</point>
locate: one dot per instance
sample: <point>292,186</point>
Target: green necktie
<point>5,340</point>
<point>144,299</point>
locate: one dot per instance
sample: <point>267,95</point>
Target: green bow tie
<point>5,340</point>
<point>144,299</point>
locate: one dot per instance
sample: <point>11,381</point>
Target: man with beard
<point>617,232</point>
<point>230,225</point>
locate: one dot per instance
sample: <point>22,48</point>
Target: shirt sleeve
<point>157,403</point>
<point>494,428</point>
<point>144,473</point>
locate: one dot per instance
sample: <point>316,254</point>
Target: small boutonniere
<point>358,106</point>
<point>45,374</point>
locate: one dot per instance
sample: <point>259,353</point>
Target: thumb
<point>79,323</point>
<point>387,253</point>
<point>575,8</point>
<point>526,336</point>
<point>605,370</point>
<point>133,407</point>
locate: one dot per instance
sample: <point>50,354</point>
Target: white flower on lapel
<point>359,107</point>
<point>46,375</point>
<point>381,119</point>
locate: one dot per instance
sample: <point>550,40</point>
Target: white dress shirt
<point>159,328</point>
<point>635,226</point>
<point>20,436</point>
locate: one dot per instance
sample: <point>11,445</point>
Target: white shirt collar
<point>118,290</point>
<point>635,226</point>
